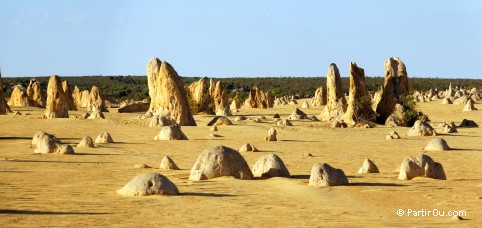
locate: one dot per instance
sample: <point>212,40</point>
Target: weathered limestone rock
<point>147,184</point>
<point>220,120</point>
<point>336,102</point>
<point>283,122</point>
<point>47,143</point>
<point>69,100</point>
<point>36,138</point>
<point>134,107</point>
<point>86,142</point>
<point>239,118</point>
<point>297,115</point>
<point>437,144</point>
<point>220,161</point>
<point>338,124</point>
<point>359,101</point>
<point>421,128</point>
<point>18,98</point>
<point>95,100</point>
<point>323,175</point>
<point>270,165</point>
<point>235,105</point>
<point>446,101</point>
<point>468,123</point>
<point>220,96</point>
<point>34,94</point>
<point>56,105</point>
<point>368,167</point>
<point>77,97</point>
<point>259,99</point>
<point>85,99</point>
<point>320,97</point>
<point>421,166</point>
<point>395,86</point>
<point>167,92</point>
<point>172,132</point>
<point>271,135</point>
<point>305,105</point>
<point>248,148</point>
<point>198,93</point>
<point>168,163</point>
<point>104,137</point>
<point>96,114</point>
<point>449,127</point>
<point>397,118</point>
<point>392,135</point>
<point>469,106</point>
<point>161,119</point>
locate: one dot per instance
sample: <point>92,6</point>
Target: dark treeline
<point>135,87</point>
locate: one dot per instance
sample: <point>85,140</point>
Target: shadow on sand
<point>205,194</point>
<point>376,184</point>
<point>29,212</point>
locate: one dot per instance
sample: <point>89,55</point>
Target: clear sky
<point>239,38</point>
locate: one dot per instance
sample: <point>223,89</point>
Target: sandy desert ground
<point>79,190</point>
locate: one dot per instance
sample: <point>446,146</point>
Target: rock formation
<point>437,144</point>
<point>421,128</point>
<point>449,127</point>
<point>161,119</point>
<point>85,99</point>
<point>259,99</point>
<point>69,100</point>
<point>469,106</point>
<point>397,118</point>
<point>248,148</point>
<point>320,97</point>
<point>172,132</point>
<point>56,105</point>
<point>392,135</point>
<point>199,94</point>
<point>95,100</point>
<point>220,96</point>
<point>147,184</point>
<point>18,98</point>
<point>446,101</point>
<point>86,142</point>
<point>297,115</point>
<point>167,92</point>
<point>323,175</point>
<point>77,97</point>
<point>220,161</point>
<point>138,106</point>
<point>34,94</point>
<point>368,167</point>
<point>335,99</point>
<point>168,163</point>
<point>47,143</point>
<point>468,123</point>
<point>104,137</point>
<point>395,86</point>
<point>359,101</point>
<point>421,166</point>
<point>270,165</point>
<point>271,135</point>
<point>220,120</point>
<point>96,114</point>
<point>305,105</point>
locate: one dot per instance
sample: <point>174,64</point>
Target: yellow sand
<point>79,191</point>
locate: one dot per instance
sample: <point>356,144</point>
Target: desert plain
<point>79,190</point>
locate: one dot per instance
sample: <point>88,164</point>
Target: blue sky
<point>240,38</point>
